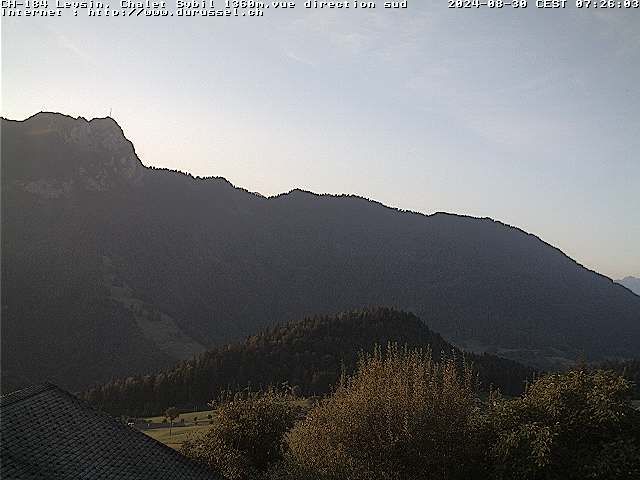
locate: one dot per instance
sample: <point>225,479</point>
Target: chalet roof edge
<point>94,443</point>
<point>26,393</point>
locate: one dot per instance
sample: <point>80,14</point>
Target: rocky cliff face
<point>63,154</point>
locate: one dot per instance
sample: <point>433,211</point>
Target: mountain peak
<point>91,155</point>
<point>48,122</point>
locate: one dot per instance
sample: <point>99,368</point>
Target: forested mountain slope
<point>111,268</point>
<point>308,356</point>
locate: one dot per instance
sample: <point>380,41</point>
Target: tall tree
<point>171,413</point>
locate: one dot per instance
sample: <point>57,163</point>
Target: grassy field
<point>158,430</point>
<point>178,435</point>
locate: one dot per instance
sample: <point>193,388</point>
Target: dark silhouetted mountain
<point>309,356</point>
<point>632,283</point>
<point>111,268</point>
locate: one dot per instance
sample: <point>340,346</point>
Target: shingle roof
<point>48,434</point>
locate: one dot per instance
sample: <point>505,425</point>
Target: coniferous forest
<point>307,356</point>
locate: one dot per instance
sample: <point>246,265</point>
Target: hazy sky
<point>528,116</point>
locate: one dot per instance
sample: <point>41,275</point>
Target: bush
<point>246,439</point>
<point>575,425</point>
<point>401,416</point>
<point>404,416</point>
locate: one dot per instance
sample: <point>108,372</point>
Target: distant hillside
<point>632,283</point>
<point>308,355</point>
<point>110,268</point>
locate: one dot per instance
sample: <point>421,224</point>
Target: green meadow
<point>158,429</point>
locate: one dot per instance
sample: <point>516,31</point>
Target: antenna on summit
<point>110,113</point>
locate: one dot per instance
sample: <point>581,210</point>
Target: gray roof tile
<point>48,434</point>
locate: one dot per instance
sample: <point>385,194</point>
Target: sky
<point>528,116</point>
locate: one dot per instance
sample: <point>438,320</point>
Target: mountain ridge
<point>302,190</point>
<point>93,252</point>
